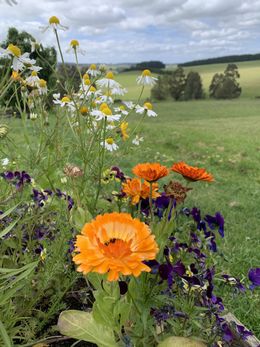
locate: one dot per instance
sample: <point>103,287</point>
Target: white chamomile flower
<point>121,109</point>
<point>35,46</point>
<point>109,144</point>
<point>146,78</point>
<point>74,46</point>
<point>93,71</point>
<point>129,104</point>
<point>147,108</point>
<point>64,102</point>
<point>54,23</point>
<point>108,81</point>
<point>136,141</point>
<point>105,98</point>
<point>118,91</point>
<point>42,87</point>
<point>33,79</point>
<point>19,59</point>
<point>35,68</point>
<point>105,112</point>
<point>5,161</point>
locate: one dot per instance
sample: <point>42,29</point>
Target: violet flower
<point>254,277</point>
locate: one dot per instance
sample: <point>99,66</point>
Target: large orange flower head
<point>192,173</point>
<point>115,243</point>
<point>151,172</point>
<point>135,189</point>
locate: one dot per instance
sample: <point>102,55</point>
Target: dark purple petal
<point>254,277</point>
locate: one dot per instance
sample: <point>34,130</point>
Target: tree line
<point>180,87</point>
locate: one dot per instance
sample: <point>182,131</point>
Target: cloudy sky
<point>118,31</point>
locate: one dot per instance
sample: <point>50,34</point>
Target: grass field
<point>223,137</point>
<point>249,78</point>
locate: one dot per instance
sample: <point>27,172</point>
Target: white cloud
<point>132,30</point>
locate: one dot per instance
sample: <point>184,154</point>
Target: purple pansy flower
<point>216,221</point>
<point>254,277</point>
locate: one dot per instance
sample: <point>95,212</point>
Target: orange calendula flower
<point>192,173</point>
<point>135,189</point>
<point>150,172</point>
<point>115,243</point>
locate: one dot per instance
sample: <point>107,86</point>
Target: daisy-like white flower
<point>54,23</point>
<point>118,91</point>
<point>108,82</point>
<point>33,79</point>
<point>35,68</point>
<point>147,108</point>
<point>42,87</point>
<point>105,112</point>
<point>64,102</point>
<point>93,71</point>
<point>136,141</point>
<point>146,78</point>
<point>129,104</point>
<point>121,109</point>
<point>19,59</point>
<point>74,46</point>
<point>105,98</point>
<point>109,144</point>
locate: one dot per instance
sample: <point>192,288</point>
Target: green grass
<point>223,137</point>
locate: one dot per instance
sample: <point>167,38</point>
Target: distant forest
<point>219,60</point>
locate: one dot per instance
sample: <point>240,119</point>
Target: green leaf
<point>82,326</point>
<point>8,228</point>
<point>2,216</point>
<point>5,338</point>
<point>175,341</point>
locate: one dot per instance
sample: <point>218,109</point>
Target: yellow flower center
<point>122,108</point>
<point>65,99</point>
<point>102,106</point>
<point>15,76</point>
<point>87,82</point>
<point>92,89</point>
<point>110,141</point>
<point>107,111</point>
<point>86,76</point>
<point>148,105</point>
<point>34,73</point>
<point>14,50</point>
<point>74,43</point>
<point>110,75</point>
<point>42,83</point>
<point>54,20</point>
<point>93,67</point>
<point>83,110</point>
<point>146,73</point>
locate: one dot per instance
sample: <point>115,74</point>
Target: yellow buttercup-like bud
<point>74,43</point>
<point>110,75</point>
<point>65,99</point>
<point>146,73</point>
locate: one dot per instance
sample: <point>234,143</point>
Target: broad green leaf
<point>175,341</point>
<point>4,336</point>
<point>82,326</point>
